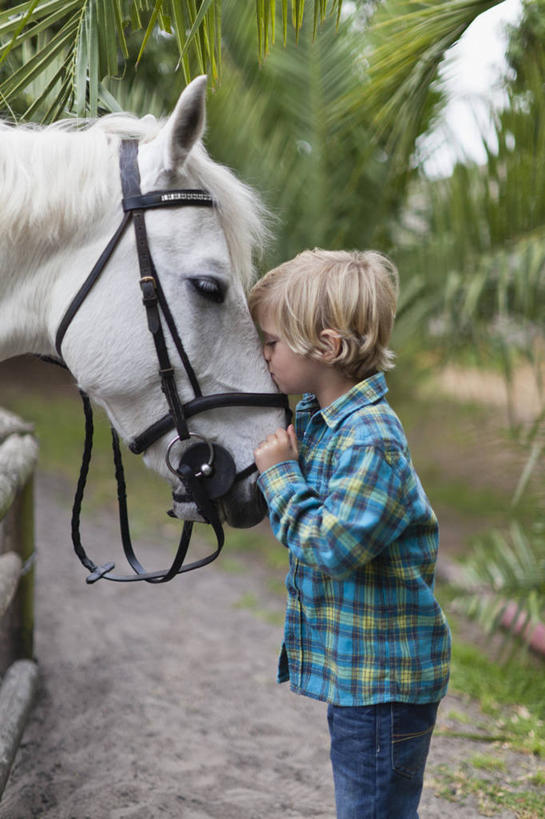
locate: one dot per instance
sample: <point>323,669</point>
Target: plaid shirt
<point>362,623</point>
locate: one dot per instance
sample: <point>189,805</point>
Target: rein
<point>206,470</point>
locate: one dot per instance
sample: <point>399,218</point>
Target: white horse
<point>61,201</point>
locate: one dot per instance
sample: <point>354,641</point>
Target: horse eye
<point>209,288</point>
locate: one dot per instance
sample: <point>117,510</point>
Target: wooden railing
<point>18,671</point>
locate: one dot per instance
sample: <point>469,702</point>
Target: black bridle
<point>206,470</point>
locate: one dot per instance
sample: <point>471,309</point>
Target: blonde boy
<point>363,630</point>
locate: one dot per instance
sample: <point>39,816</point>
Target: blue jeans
<point>378,753</point>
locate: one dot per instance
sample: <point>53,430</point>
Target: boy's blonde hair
<point>353,293</point>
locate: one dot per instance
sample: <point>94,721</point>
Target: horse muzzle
<point>213,467</point>
<point>210,463</point>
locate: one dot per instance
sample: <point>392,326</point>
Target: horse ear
<point>185,125</point>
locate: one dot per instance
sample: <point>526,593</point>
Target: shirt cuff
<point>278,477</point>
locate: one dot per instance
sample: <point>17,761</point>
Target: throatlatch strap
<point>87,285</point>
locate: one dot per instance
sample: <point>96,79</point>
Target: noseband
<point>206,470</point>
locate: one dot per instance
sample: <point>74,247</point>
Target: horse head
<point>202,257</point>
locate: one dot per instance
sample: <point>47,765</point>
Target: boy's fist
<point>277,447</point>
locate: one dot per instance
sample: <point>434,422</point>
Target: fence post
<point>18,454</point>
<point>18,539</point>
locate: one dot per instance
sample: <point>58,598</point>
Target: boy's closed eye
<point>268,340</point>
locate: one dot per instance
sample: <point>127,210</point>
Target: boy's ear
<point>331,341</point>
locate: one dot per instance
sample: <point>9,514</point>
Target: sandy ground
<point>161,701</point>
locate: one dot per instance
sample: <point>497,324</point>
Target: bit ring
<point>206,469</point>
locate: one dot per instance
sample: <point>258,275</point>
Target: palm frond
<point>479,235</point>
<point>405,44</point>
<point>298,155</point>
<point>90,37</point>
<point>504,582</point>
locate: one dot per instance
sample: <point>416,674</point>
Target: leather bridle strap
<point>105,570</point>
<point>152,295</point>
<point>177,566</point>
<point>201,404</point>
<point>157,309</point>
<point>167,198</point>
<point>87,285</point>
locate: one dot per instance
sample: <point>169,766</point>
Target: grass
<point>466,500</point>
<point>506,769</point>
<point>250,602</point>
<point>511,693</point>
<point>467,492</point>
<point>59,427</point>
<point>492,795</point>
<point>487,762</point>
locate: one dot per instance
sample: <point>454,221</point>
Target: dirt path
<point>161,701</point>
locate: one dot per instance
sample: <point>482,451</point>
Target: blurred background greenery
<point>329,124</point>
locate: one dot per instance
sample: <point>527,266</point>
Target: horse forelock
<point>57,180</point>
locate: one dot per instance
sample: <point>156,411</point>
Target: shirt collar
<point>366,392</point>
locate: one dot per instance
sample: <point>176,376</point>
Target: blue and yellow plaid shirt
<point>362,622</point>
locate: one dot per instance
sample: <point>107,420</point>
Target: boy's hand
<point>279,446</point>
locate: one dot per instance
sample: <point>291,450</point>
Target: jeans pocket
<point>412,727</point>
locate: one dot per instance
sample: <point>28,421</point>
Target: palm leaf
<point>40,61</point>
<point>484,226</point>
<point>94,35</point>
<point>272,123</point>
<point>406,42</point>
<point>506,576</point>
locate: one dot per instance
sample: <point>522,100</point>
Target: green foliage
<point>526,43</point>
<point>407,41</point>
<point>477,238</point>
<point>280,127</point>
<point>56,54</point>
<point>505,580</point>
<point>493,794</point>
<point>480,233</point>
<point>511,696</point>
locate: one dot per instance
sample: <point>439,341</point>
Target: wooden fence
<point>18,671</point>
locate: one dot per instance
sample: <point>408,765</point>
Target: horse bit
<point>206,470</point>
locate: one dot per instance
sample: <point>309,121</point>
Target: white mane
<point>56,180</point>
